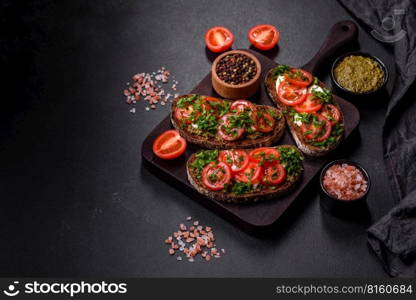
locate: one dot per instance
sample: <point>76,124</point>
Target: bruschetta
<point>314,118</point>
<point>215,123</point>
<point>245,175</point>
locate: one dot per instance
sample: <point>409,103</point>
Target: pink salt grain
<point>345,182</point>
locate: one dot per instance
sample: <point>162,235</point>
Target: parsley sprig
<point>325,95</point>
<point>280,70</point>
<point>291,159</point>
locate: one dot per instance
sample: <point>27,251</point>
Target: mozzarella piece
<point>278,81</point>
<point>315,87</point>
<point>297,119</point>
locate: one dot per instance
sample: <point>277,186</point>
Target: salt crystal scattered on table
<point>146,85</point>
<point>196,242</point>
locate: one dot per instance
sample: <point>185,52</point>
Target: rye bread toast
<point>215,142</point>
<point>301,142</point>
<point>262,194</point>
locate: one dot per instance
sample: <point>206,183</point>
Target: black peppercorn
<point>236,69</point>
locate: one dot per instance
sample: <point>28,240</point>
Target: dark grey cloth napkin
<point>393,238</point>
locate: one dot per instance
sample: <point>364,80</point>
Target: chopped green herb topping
<point>302,117</point>
<point>185,101</point>
<point>325,95</point>
<point>240,188</point>
<point>242,120</point>
<point>207,123</point>
<point>203,158</point>
<point>291,159</point>
<point>337,131</point>
<point>280,70</point>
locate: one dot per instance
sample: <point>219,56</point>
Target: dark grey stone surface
<point>75,199</point>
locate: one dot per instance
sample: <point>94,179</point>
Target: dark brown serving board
<point>258,216</point>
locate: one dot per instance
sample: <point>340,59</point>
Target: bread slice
<point>254,196</point>
<point>267,139</point>
<point>300,141</point>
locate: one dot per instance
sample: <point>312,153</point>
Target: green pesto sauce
<point>359,74</point>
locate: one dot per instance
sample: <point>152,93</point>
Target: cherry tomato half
<point>216,175</point>
<point>264,36</point>
<point>219,39</point>
<point>299,77</point>
<point>311,104</point>
<point>169,145</point>
<point>237,160</point>
<point>252,173</point>
<point>274,174</point>
<point>290,94</point>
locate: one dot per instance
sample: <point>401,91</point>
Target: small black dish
<point>344,208</point>
<point>343,91</point>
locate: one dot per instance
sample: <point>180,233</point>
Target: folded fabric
<point>393,238</point>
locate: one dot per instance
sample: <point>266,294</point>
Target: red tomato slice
<point>317,133</point>
<point>291,94</point>
<point>332,113</point>
<point>208,100</point>
<point>209,103</point>
<point>299,77</point>
<point>264,36</point>
<point>265,122</point>
<point>241,105</point>
<point>216,175</point>
<point>169,145</point>
<point>252,173</point>
<point>237,160</point>
<point>274,174</point>
<point>264,155</point>
<point>183,114</point>
<point>311,104</point>
<point>219,39</point>
<point>226,133</point>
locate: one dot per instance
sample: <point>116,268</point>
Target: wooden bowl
<point>233,91</point>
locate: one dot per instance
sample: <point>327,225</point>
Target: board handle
<point>341,34</point>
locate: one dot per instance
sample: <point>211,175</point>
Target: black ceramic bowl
<point>350,208</point>
<point>345,91</point>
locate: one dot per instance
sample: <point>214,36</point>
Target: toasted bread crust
<point>244,198</point>
<point>264,141</point>
<point>306,148</point>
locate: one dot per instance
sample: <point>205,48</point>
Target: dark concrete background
<point>75,199</point>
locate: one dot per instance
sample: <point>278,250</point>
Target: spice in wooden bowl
<point>236,68</point>
<point>236,74</point>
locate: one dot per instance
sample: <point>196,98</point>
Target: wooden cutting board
<point>257,217</point>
